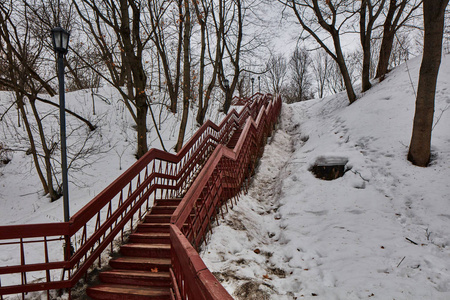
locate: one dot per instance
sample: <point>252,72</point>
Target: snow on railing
<point>220,180</point>
<point>36,256</point>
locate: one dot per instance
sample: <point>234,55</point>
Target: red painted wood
<point>121,292</point>
<point>33,230</point>
<point>140,263</point>
<point>136,277</point>
<point>195,270</point>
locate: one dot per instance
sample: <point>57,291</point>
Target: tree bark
<point>385,54</point>
<point>387,40</point>
<point>367,20</point>
<point>27,125</point>
<point>343,68</point>
<point>132,45</point>
<point>47,153</point>
<point>172,81</point>
<point>186,76</point>
<point>393,21</point>
<point>333,30</point>
<point>202,105</point>
<point>433,14</point>
<point>234,57</point>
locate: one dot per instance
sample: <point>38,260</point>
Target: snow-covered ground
<point>382,231</point>
<point>109,151</point>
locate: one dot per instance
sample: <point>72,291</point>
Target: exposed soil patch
<point>251,291</point>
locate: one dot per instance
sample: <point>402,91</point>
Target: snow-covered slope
<point>107,153</point>
<point>382,231</point>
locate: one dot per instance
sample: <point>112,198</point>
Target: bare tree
<point>433,15</point>
<point>335,82</point>
<point>187,95</point>
<point>300,83</point>
<point>233,14</point>
<point>276,72</point>
<point>369,12</point>
<point>400,50</point>
<point>23,50</point>
<point>167,26</point>
<point>321,66</point>
<point>331,17</point>
<point>21,54</point>
<point>115,28</point>
<point>399,13</point>
<point>203,12</point>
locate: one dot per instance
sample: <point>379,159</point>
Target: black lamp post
<point>226,84</point>
<point>253,81</point>
<point>60,38</point>
<point>259,84</point>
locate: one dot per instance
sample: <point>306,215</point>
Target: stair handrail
<point>192,279</point>
<point>132,204</point>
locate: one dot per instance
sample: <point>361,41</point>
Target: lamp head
<point>60,39</point>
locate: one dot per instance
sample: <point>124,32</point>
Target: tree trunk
<point>204,96</point>
<point>365,85</point>
<point>47,154</point>
<point>387,41</point>
<point>419,149</point>
<point>133,60</point>
<point>186,76</point>
<point>32,143</point>
<point>365,35</point>
<point>202,106</point>
<point>172,81</point>
<point>343,68</point>
<point>369,12</point>
<point>385,54</point>
<point>234,57</point>
<point>141,112</point>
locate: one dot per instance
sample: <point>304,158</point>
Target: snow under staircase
<point>143,269</point>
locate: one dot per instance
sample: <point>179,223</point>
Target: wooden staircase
<point>142,270</point>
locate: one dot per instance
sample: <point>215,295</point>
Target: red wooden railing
<point>157,174</point>
<point>220,180</point>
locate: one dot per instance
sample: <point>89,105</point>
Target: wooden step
<point>150,237</point>
<point>132,292</point>
<point>146,250</point>
<point>140,263</point>
<point>163,209</point>
<point>153,227</point>
<point>157,218</point>
<point>170,202</point>
<point>132,277</point>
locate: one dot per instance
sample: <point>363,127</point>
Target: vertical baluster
<point>147,206</point>
<point>22,262</point>
<point>47,272</point>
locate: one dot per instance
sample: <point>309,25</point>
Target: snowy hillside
<point>382,231</point>
<point>109,151</point>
